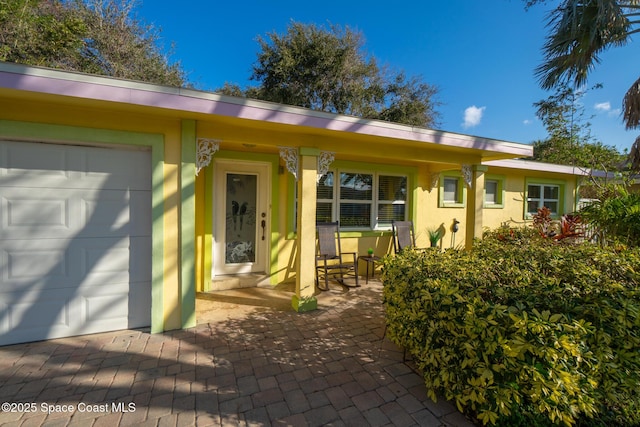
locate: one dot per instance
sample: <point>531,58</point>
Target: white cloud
<point>527,122</point>
<point>605,107</point>
<point>472,116</point>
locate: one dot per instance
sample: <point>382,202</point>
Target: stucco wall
<point>512,212</point>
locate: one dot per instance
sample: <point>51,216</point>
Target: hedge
<point>522,329</point>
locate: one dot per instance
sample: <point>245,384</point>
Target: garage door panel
<point>47,313</point>
<point>75,243</point>
<point>107,303</point>
<point>134,171</point>
<point>140,266</point>
<point>106,213</point>
<point>140,202</point>
<point>139,301</point>
<point>24,212</point>
<point>81,263</point>
<point>27,265</point>
<point>60,166</point>
<point>95,261</point>
<point>51,308</point>
<point>25,162</point>
<point>35,314</point>
<point>71,213</point>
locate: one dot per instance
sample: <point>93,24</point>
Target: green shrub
<point>616,217</point>
<point>522,328</point>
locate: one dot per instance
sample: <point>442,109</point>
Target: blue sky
<point>480,54</point>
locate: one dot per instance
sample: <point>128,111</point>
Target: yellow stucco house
<point>120,200</point>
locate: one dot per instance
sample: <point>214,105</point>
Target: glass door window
<point>241,218</point>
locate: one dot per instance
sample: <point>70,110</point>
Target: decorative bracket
<point>324,161</point>
<point>205,149</point>
<point>467,175</point>
<point>435,177</point>
<point>290,157</point>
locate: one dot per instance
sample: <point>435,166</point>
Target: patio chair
<point>403,236</point>
<point>331,261</point>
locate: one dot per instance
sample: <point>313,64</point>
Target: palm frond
<point>631,106</point>
<point>633,160</point>
<point>580,31</point>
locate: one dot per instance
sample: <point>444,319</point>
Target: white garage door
<point>75,240</point>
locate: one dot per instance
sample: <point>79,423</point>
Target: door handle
<point>264,224</point>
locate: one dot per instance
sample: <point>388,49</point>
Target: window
<point>361,200</point>
<point>356,200</point>
<point>494,191</point>
<point>452,191</point>
<point>491,192</point>
<point>392,199</point>
<point>324,196</point>
<point>539,195</point>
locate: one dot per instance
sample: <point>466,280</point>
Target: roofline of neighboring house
<point>547,167</point>
<point>99,88</point>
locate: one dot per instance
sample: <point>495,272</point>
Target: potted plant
<point>370,252</point>
<point>434,237</point>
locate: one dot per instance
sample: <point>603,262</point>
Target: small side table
<point>370,260</point>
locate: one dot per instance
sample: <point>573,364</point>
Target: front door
<point>241,217</point>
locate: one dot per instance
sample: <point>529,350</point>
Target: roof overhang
<point>531,165</point>
<point>185,103</point>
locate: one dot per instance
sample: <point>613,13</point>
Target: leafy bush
<point>522,328</point>
<point>616,218</point>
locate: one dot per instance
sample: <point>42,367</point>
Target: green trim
<point>462,190</point>
<point>501,192</point>
<point>545,181</point>
<point>307,151</point>
<point>80,135</point>
<point>302,305</point>
<point>187,224</point>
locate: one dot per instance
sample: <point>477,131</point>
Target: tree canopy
<point>580,30</point>
<point>92,36</point>
<point>328,70</point>
<point>570,141</point>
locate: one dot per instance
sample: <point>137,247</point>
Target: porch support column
<point>475,201</point>
<point>304,299</point>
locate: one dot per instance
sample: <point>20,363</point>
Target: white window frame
<point>375,203</point>
<point>541,201</point>
<point>500,192</point>
<point>368,202</point>
<point>390,202</point>
<point>331,201</point>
